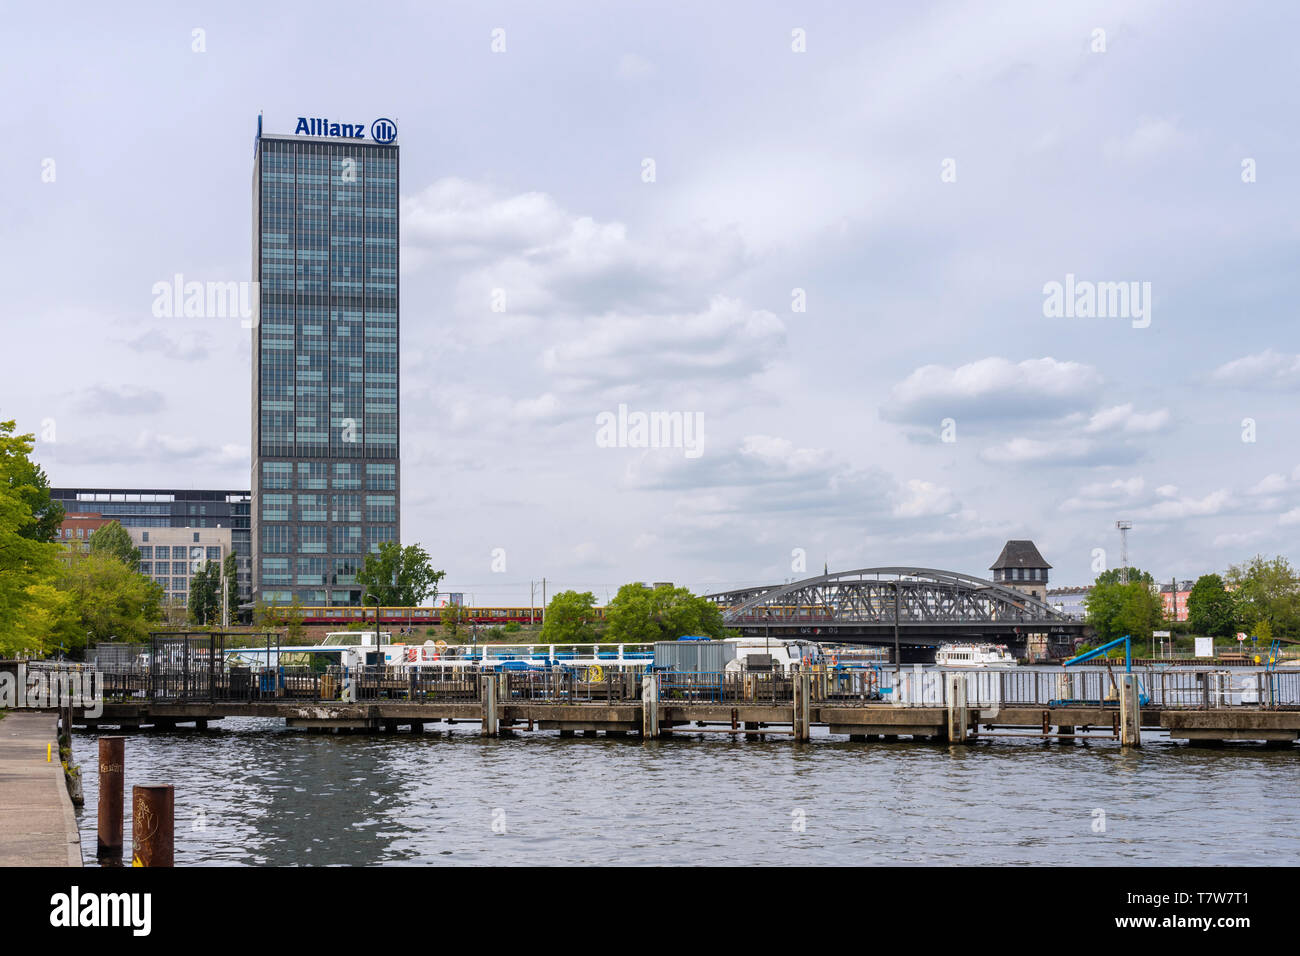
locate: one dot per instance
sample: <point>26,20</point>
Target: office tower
<point>325,475</point>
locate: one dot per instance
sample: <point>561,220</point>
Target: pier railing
<point>1164,688</point>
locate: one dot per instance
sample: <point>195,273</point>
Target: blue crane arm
<point>1099,651</point>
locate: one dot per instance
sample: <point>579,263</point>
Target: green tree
<point>1115,609</point>
<point>109,601</point>
<point>112,539</point>
<point>570,619</point>
<point>408,566</point>
<point>1210,608</point>
<point>452,617</point>
<point>28,479</point>
<point>30,607</point>
<point>639,614</point>
<point>205,595</point>
<point>230,568</point>
<point>1266,590</point>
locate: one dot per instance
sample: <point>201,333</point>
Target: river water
<point>255,793</point>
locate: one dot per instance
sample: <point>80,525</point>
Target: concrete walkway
<point>38,826</point>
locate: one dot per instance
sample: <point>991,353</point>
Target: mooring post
<point>650,706</point>
<point>1130,714</point>
<point>802,705</point>
<point>153,816</point>
<point>958,713</point>
<point>488,689</point>
<point>112,795</point>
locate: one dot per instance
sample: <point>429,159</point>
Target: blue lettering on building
<point>381,130</point>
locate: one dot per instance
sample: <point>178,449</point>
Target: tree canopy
<point>570,619</point>
<point>639,614</point>
<point>30,607</point>
<point>109,601</point>
<point>408,566</point>
<point>1211,609</point>
<point>28,479</point>
<point>205,594</point>
<point>112,539</point>
<point>1267,597</point>
<point>1115,609</point>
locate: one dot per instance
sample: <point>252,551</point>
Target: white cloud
<point>993,388</point>
<point>923,499</point>
<point>1122,418</point>
<point>1267,369</point>
<point>1025,450</point>
<point>1150,139</point>
<point>1269,485</point>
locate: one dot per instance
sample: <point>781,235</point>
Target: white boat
<point>974,655</point>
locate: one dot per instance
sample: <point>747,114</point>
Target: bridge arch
<point>867,597</point>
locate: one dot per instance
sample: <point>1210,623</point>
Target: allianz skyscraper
<point>325,482</point>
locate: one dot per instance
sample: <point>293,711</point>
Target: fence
<point>1164,688</point>
<point>194,675</point>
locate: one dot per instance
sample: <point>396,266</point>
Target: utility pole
<point>898,659</point>
<point>1124,527</point>
<point>543,601</point>
<point>225,598</point>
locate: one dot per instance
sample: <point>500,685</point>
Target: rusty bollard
<point>153,814</point>
<point>112,776</point>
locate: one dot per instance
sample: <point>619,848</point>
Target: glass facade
<point>325,364</point>
<point>171,508</point>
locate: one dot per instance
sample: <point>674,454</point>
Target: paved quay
<point>38,825</point>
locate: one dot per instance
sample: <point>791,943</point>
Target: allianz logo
<point>381,130</point>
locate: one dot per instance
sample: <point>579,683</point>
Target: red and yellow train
<point>407,616</point>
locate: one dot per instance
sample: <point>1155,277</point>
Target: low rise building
<point>172,556</point>
<point>77,527</point>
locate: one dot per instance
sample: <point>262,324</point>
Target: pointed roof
<point>1019,554</point>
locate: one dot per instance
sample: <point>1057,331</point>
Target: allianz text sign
<point>381,130</point>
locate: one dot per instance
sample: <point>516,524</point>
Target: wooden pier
<point>501,704</point>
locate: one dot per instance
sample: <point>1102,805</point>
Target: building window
<point>311,540</point>
<point>276,507</point>
<point>381,478</point>
<point>275,539</point>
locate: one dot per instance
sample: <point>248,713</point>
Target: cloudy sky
<point>823,232</point>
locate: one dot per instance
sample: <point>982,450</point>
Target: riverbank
<point>39,823</point>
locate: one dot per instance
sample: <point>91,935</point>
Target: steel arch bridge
<point>929,605</point>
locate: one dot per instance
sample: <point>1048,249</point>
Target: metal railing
<point>1164,688</point>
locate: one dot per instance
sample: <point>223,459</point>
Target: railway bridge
<point>917,608</point>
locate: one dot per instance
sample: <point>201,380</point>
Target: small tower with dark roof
<point>1020,566</point>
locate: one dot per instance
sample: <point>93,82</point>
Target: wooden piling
<point>488,684</point>
<point>1130,713</point>
<point>802,717</point>
<point>112,795</point>
<point>958,713</point>
<point>153,818</point>
<point>650,706</point>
